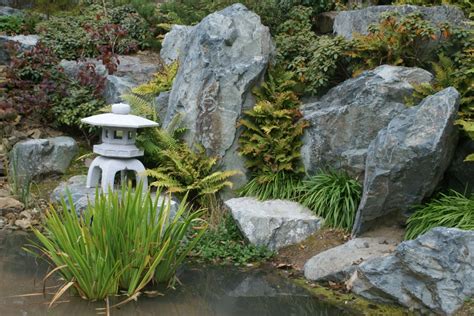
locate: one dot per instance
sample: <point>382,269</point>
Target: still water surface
<point>206,290</point>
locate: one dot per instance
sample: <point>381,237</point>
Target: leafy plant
<point>178,168</point>
<point>162,81</point>
<point>271,137</point>
<point>225,244</point>
<point>124,241</point>
<point>317,61</point>
<point>190,12</point>
<point>404,41</point>
<point>36,85</point>
<point>317,6</point>
<point>448,210</point>
<point>19,24</point>
<point>93,33</point>
<point>332,195</point>
<point>466,5</point>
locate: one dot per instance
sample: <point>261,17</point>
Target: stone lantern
<point>117,151</point>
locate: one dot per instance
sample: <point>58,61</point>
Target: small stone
<point>23,223</point>
<point>25,215</point>
<point>9,204</point>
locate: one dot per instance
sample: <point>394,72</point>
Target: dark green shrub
<point>190,12</point>
<point>318,62</point>
<point>448,210</point>
<point>74,36</point>
<point>36,86</point>
<point>332,195</point>
<point>225,244</point>
<point>271,138</point>
<point>19,24</point>
<point>123,242</point>
<point>317,6</point>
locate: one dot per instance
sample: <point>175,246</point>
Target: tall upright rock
<point>408,158</point>
<point>224,57</point>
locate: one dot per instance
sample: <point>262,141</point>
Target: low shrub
<point>121,243</point>
<point>36,86</point>
<point>190,12</point>
<point>19,24</point>
<point>448,210</point>
<point>271,138</point>
<point>73,36</point>
<point>225,244</point>
<point>466,5</point>
<point>317,6</point>
<point>332,195</point>
<point>317,61</point>
<point>403,41</point>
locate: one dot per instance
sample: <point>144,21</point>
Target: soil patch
<point>295,256</point>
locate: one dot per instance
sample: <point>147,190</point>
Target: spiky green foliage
<point>162,81</point>
<point>448,210</point>
<point>271,136</point>
<point>333,195</point>
<point>122,242</point>
<point>178,168</point>
<point>280,185</point>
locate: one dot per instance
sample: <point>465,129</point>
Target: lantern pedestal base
<point>103,170</point>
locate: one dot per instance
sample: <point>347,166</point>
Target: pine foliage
<point>271,137</point>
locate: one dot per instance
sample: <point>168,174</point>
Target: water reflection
<point>205,291</point>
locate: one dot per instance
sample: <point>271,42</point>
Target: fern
<point>175,166</point>
<point>162,81</point>
<point>270,140</point>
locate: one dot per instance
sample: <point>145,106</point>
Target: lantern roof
<point>120,117</point>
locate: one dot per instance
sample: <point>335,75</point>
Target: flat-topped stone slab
<point>338,263</point>
<point>274,223</point>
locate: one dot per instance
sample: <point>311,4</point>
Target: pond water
<point>210,290</point>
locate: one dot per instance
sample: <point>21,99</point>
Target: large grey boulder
<point>174,43</point>
<point>408,158</point>
<point>345,120</point>
<point>347,23</point>
<point>8,11</point>
<point>36,157</point>
<point>337,264</point>
<point>225,56</point>
<point>433,272</point>
<point>131,72</point>
<point>274,223</point>
<point>24,42</point>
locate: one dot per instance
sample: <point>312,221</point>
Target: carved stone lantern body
<point>117,152</point>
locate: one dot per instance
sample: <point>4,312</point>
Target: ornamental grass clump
<point>333,195</point>
<point>452,210</point>
<point>120,244</point>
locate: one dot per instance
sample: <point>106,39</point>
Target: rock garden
<point>316,155</point>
